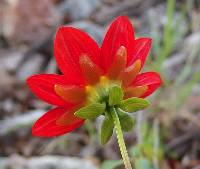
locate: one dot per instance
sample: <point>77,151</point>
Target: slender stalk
<point>120,139</point>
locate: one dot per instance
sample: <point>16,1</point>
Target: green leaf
<point>111,164</point>
<point>106,129</point>
<point>126,120</point>
<point>115,95</point>
<point>91,111</point>
<point>133,104</point>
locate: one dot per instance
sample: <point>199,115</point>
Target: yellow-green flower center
<point>100,91</point>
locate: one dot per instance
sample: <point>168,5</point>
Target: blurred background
<point>166,135</point>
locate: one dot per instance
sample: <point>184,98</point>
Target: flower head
<point>94,78</point>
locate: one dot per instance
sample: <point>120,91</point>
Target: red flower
<point>85,65</point>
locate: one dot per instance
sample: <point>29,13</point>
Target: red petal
<point>90,71</point>
<point>150,79</point>
<point>118,64</point>
<point>69,116</point>
<point>120,33</point>
<point>46,126</point>
<point>129,74</point>
<point>43,87</point>
<point>140,50</point>
<point>69,44</point>
<point>71,93</point>
<point>135,91</point>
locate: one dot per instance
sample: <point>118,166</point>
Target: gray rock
<point>10,59</point>
<point>31,66</point>
<point>173,65</point>
<point>17,122</point>
<point>28,21</point>
<point>7,105</point>
<point>80,9</point>
<point>45,162</point>
<point>92,29</point>
<point>196,90</point>
<point>52,66</point>
<point>189,52</point>
<point>7,81</point>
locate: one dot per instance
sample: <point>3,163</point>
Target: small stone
<point>17,122</point>
<point>28,21</point>
<point>45,162</point>
<point>80,9</point>
<point>10,59</point>
<point>32,66</point>
<point>92,29</point>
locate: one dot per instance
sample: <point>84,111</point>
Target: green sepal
<point>91,111</point>
<point>115,95</point>
<point>106,129</point>
<point>126,120</point>
<point>133,104</point>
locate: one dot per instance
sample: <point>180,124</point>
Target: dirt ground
<point>167,134</point>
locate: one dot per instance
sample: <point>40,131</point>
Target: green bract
<point>115,95</point>
<point>126,120</point>
<point>106,129</point>
<point>106,98</point>
<point>91,111</point>
<point>133,104</point>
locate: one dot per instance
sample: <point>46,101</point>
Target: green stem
<point>120,139</point>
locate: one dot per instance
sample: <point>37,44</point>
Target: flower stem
<point>120,139</point>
